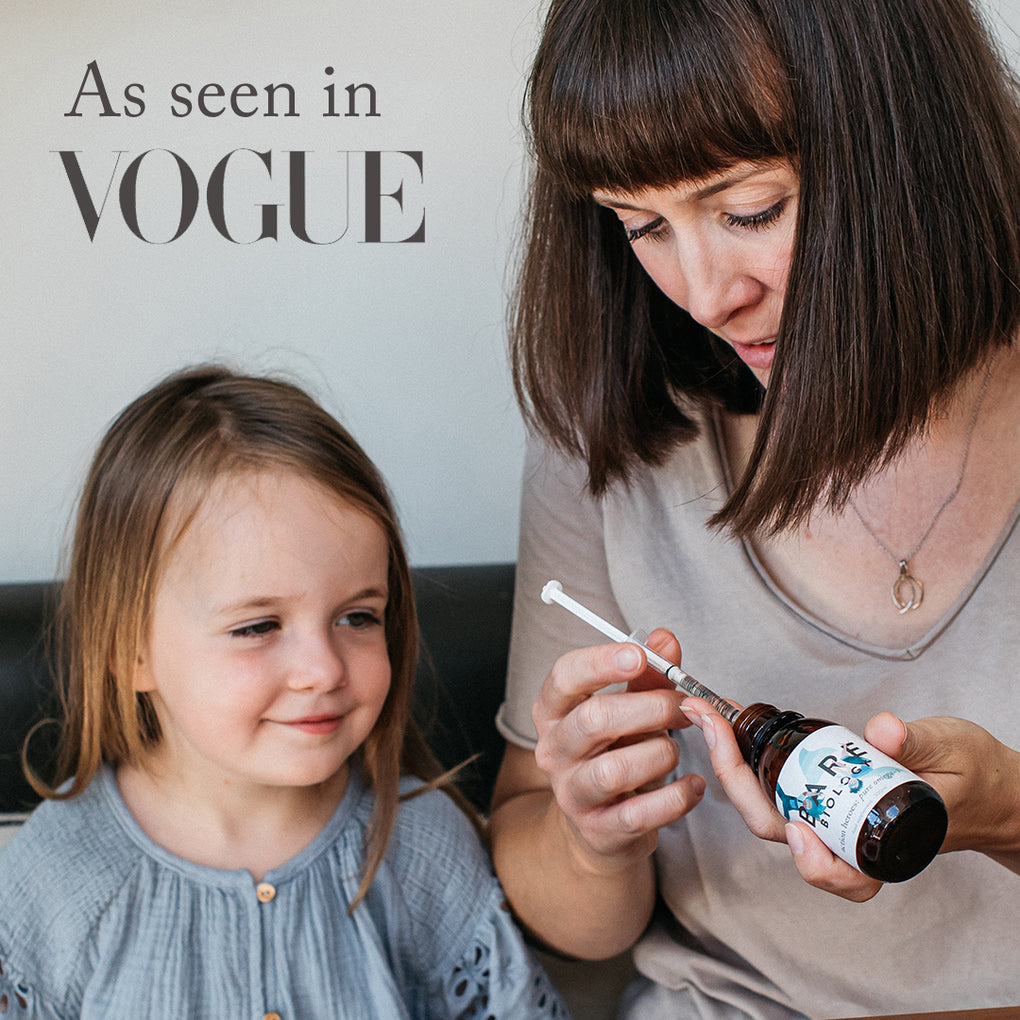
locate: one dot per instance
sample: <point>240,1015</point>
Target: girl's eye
<point>653,230</point>
<point>758,220</point>
<point>258,629</point>
<point>359,620</point>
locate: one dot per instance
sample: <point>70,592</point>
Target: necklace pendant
<point>907,591</point>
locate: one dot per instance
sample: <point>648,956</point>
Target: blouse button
<point>266,892</point>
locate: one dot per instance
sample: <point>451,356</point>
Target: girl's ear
<point>141,676</point>
<point>143,680</point>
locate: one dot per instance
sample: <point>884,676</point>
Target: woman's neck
<point>940,504</point>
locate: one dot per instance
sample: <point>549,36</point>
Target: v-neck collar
<point>912,651</point>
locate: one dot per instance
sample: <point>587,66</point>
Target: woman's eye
<point>758,220</point>
<point>258,629</point>
<point>359,620</point>
<point>653,230</point>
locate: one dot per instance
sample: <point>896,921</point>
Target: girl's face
<point>720,248</point>
<point>266,656</point>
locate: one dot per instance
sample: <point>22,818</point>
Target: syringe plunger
<point>553,591</point>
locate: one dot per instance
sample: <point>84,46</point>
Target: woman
<point>784,425</point>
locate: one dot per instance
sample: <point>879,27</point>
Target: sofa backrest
<point>465,622</point>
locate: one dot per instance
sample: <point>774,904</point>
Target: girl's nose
<point>317,665</point>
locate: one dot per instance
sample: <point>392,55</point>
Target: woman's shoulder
<point>696,464</point>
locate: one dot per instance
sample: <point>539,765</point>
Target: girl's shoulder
<point>458,923</point>
<point>58,876</point>
<point>67,845</point>
<point>434,861</point>
<point>430,825</point>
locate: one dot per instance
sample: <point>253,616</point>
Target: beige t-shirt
<point>757,940</point>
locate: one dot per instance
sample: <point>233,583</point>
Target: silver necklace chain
<point>907,590</point>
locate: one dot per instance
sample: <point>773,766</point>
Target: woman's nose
<point>715,289</point>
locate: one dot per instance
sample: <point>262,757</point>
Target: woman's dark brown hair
<point>902,122</point>
<point>146,483</point>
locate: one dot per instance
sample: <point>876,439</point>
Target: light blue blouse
<point>97,921</point>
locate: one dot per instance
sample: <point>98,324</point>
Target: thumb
<point>909,743</point>
<point>666,644</point>
<point>887,733</point>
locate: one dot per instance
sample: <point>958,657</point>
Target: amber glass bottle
<point>866,808</point>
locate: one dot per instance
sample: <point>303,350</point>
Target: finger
<point>583,671</point>
<point>694,708</point>
<point>607,719</point>
<point>648,812</point>
<point>921,746</point>
<point>886,733</point>
<point>622,770</point>
<point>820,867</point>
<point>738,780</point>
<point>666,644</point>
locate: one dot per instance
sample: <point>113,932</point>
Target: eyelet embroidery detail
<point>468,989</point>
<point>21,993</point>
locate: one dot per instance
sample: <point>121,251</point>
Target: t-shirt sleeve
<point>19,1000</point>
<point>495,976</point>
<point>561,538</point>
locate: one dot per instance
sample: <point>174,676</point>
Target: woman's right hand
<point>574,823</point>
<point>607,755</point>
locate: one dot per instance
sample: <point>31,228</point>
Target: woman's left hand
<point>976,775</point>
<point>817,864</point>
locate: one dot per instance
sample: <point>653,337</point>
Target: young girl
<point>235,829</point>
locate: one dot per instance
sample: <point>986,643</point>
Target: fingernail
<point>627,658</point>
<point>708,728</point>
<point>794,839</point>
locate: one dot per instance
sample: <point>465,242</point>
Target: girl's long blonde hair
<point>167,447</point>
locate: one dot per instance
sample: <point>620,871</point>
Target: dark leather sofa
<point>465,622</point>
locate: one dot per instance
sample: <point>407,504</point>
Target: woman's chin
<point>758,358</point>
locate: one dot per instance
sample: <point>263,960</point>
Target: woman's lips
<point>756,355</point>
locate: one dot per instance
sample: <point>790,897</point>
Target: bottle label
<point>831,780</point>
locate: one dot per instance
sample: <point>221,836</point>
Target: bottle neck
<point>755,725</point>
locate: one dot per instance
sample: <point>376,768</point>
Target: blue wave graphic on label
<point>832,782</point>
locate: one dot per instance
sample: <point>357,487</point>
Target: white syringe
<point>553,592</point>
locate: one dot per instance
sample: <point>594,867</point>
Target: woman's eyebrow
<point>706,191</point>
<point>727,182</point>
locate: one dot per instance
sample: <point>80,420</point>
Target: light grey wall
<point>403,341</point>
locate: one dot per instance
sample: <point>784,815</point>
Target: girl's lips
<point>316,724</point>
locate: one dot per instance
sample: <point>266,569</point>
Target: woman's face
<point>720,248</point>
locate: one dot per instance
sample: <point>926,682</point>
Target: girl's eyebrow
<point>246,604</point>
<point>249,603</point>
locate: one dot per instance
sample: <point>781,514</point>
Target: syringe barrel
<point>686,683</point>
